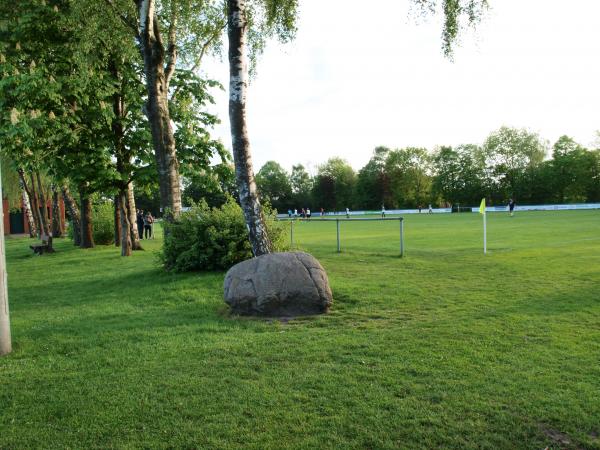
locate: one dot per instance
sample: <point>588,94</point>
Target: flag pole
<point>482,212</point>
<point>484,235</point>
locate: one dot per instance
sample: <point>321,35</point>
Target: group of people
<point>304,213</point>
<point>429,209</point>
<point>145,224</point>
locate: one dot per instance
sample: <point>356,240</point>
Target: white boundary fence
<point>542,207</point>
<point>474,209</point>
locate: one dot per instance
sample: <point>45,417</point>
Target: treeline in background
<point>510,163</point>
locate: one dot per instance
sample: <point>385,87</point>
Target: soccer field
<point>444,348</point>
<point>455,233</point>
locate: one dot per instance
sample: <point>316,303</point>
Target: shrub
<point>103,221</point>
<point>103,224</point>
<point>69,229</point>
<point>206,238</point>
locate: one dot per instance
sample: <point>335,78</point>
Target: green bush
<point>206,238</point>
<point>103,224</point>
<point>70,229</point>
<point>103,220</point>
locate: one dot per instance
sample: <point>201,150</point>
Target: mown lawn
<point>445,348</point>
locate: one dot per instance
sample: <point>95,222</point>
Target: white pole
<point>338,235</point>
<point>401,237</point>
<point>5,340</point>
<point>484,235</point>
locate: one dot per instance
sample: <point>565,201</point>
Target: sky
<point>363,74</point>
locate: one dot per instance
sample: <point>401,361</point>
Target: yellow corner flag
<point>482,206</point>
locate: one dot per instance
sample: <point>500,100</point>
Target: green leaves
<point>195,147</point>
<point>274,185</point>
<point>457,15</point>
<point>334,185</point>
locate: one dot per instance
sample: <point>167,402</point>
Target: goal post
<point>399,219</point>
<point>338,229</point>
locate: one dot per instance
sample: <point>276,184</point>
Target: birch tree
<point>73,209</point>
<point>5,339</point>
<point>192,28</point>
<point>159,66</point>
<point>238,85</point>
<point>28,213</point>
<point>276,13</point>
<point>266,18</point>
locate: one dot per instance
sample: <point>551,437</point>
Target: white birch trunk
<point>131,211</point>
<point>244,173</point>
<point>125,231</point>
<point>5,339</point>
<point>28,212</point>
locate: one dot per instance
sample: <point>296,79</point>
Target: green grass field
<point>444,348</point>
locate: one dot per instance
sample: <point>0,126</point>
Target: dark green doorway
<point>17,226</point>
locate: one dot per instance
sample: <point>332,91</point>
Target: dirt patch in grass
<point>556,436</point>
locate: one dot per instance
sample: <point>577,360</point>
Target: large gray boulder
<point>278,284</point>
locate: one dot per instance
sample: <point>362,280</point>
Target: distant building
<point>15,219</point>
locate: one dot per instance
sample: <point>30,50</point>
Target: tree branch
<point>124,18</point>
<point>204,49</point>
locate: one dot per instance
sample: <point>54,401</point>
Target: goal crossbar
<point>338,220</point>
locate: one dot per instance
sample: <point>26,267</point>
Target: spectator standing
<point>140,223</point>
<point>511,207</point>
<point>148,222</point>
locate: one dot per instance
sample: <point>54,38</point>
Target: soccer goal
<point>338,221</point>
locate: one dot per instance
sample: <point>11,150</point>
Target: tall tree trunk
<point>125,228</point>
<point>122,235</point>
<point>5,338</point>
<point>126,207</point>
<point>73,213</point>
<point>28,214</point>
<point>35,205</point>
<point>131,211</point>
<point>57,230</point>
<point>33,230</point>
<point>158,77</point>
<point>87,235</point>
<point>117,217</point>
<point>244,174</point>
<point>46,228</point>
